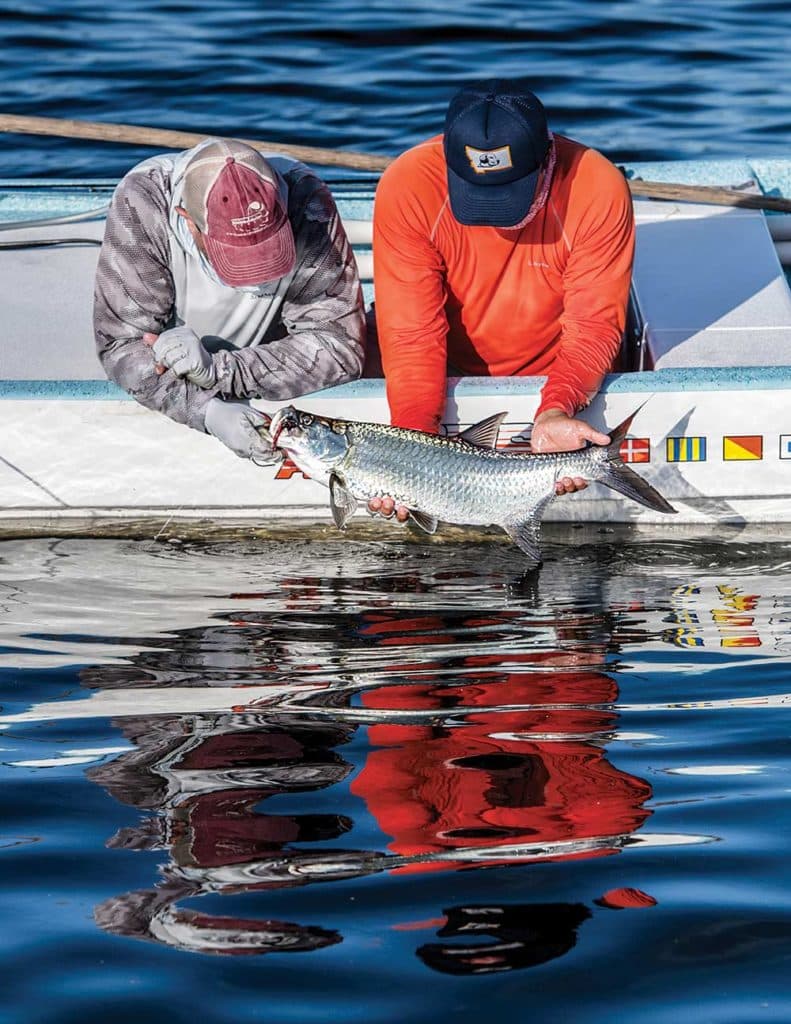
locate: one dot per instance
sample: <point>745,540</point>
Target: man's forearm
<point>295,365</point>
<point>130,365</point>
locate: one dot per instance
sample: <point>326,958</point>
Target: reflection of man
<point>503,777</point>
<point>488,785</point>
<point>524,936</point>
<point>205,777</point>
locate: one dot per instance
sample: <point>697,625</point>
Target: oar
<point>100,131</point>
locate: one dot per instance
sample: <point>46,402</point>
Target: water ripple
<point>651,80</point>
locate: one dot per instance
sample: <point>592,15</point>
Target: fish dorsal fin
<point>342,502</point>
<point>526,535</point>
<point>485,433</point>
<point>426,522</point>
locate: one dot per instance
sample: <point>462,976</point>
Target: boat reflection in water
<point>487,739</point>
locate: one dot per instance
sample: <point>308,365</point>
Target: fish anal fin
<point>342,502</point>
<point>485,433</point>
<point>624,480</point>
<point>526,535</point>
<point>426,522</point>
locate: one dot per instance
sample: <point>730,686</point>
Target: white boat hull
<point>66,461</point>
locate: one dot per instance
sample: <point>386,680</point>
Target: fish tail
<point>619,477</point>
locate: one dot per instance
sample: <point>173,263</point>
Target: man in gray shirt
<point>224,276</point>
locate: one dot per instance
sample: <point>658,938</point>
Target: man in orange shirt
<point>501,249</point>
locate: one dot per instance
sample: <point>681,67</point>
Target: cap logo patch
<point>257,217</point>
<point>484,160</point>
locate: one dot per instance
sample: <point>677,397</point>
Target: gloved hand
<point>242,429</point>
<point>181,351</point>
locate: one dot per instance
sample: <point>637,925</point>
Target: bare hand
<point>554,431</point>
<point>387,507</point>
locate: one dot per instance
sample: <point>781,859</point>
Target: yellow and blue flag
<point>686,449</point>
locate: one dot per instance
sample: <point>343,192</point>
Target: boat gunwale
<point>697,378</point>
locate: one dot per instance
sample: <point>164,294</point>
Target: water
<point>394,782</point>
<point>640,80</point>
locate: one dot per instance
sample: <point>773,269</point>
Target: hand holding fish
<point>555,431</point>
<point>387,507</point>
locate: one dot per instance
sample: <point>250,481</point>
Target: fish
<point>462,479</point>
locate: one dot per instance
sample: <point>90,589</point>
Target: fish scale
<point>449,479</point>
<point>454,481</point>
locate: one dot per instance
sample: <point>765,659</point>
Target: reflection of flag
<point>683,637</point>
<point>681,615</point>
<point>686,449</point>
<point>743,447</point>
<point>685,591</point>
<point>785,446</point>
<point>733,599</point>
<point>728,618</point>
<point>636,449</point>
<point>740,641</point>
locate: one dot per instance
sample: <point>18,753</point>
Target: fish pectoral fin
<point>426,522</point>
<point>485,433</point>
<point>527,536</point>
<point>342,502</point>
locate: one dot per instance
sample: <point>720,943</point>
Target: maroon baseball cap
<point>232,194</point>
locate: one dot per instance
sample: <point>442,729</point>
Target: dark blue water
<point>391,782</point>
<point>640,79</point>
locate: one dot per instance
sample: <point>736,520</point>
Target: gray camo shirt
<point>316,341</point>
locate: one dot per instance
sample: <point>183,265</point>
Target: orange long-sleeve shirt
<point>549,299</point>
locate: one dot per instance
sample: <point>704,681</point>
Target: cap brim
<point>244,265</point>
<point>495,206</point>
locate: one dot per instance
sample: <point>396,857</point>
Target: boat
<point>706,356</point>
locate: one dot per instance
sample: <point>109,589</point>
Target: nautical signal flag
<point>785,446</point>
<point>686,449</point>
<point>636,449</point>
<point>742,448</point>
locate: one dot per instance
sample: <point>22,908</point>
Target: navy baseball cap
<point>496,138</point>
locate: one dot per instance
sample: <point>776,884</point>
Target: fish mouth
<point>283,419</point>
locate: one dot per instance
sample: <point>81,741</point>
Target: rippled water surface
<point>639,79</point>
<point>394,782</point>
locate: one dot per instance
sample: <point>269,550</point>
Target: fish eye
<point>305,419</point>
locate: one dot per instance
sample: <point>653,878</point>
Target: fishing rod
<point>163,138</point>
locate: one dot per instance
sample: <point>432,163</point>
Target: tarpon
<point>462,479</point>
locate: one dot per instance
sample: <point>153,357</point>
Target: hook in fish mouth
<point>283,418</point>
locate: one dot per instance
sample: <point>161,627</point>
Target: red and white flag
<point>636,449</point>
